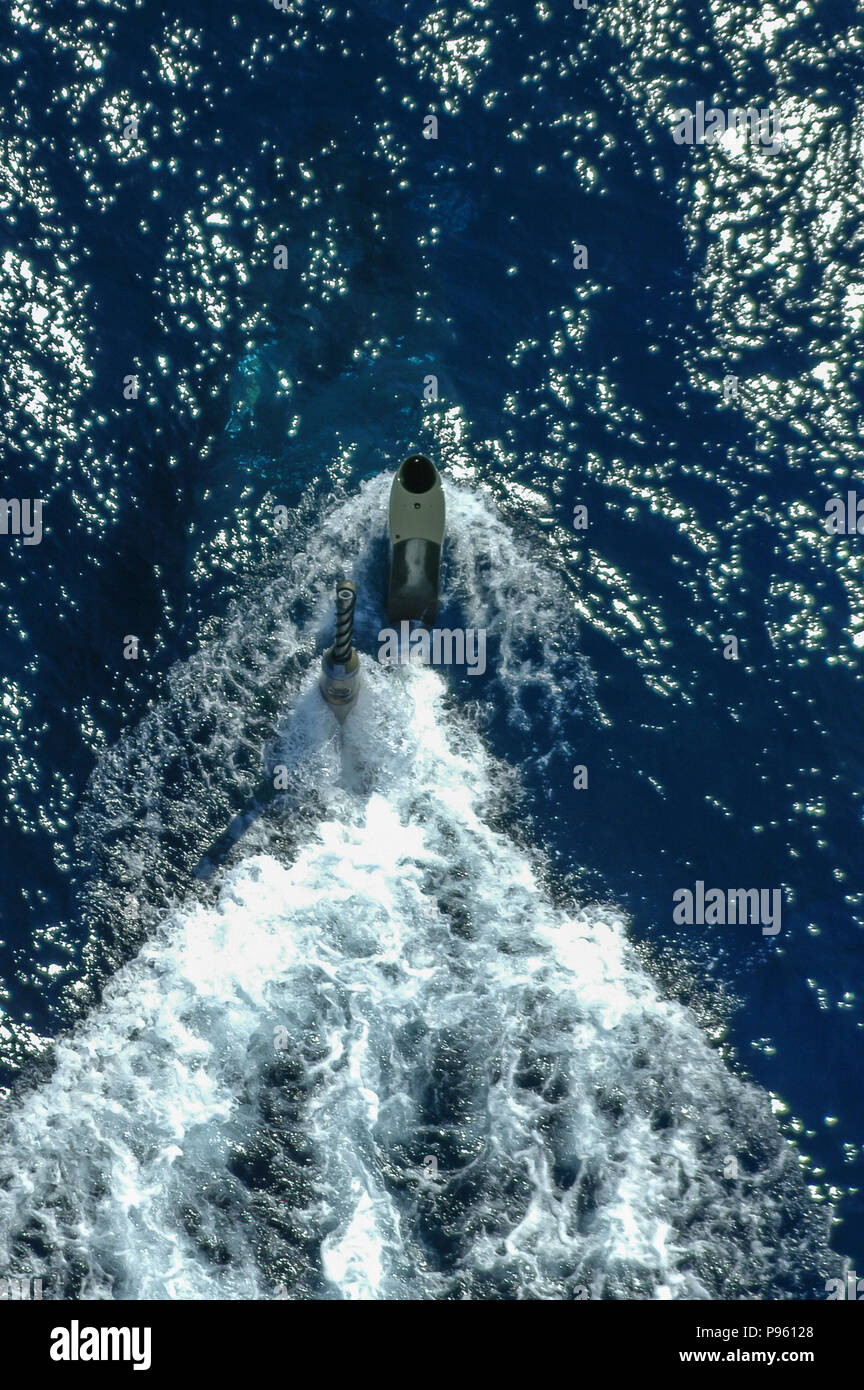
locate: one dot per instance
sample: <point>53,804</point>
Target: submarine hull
<point>417,517</point>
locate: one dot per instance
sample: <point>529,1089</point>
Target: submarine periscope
<point>340,664</point>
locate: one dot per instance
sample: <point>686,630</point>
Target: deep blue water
<point>603,387</point>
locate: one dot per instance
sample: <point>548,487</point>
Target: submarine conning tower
<point>416,536</point>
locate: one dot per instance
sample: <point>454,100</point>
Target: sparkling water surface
<point>429,1029</point>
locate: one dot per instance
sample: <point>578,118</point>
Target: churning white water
<point>384,1064</point>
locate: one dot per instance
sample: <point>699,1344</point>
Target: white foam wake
<point>387,1065</point>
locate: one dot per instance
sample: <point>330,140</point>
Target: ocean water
<point>424,1026</point>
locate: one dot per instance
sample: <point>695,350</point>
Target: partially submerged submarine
<point>416,537</point>
<point>417,519</point>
